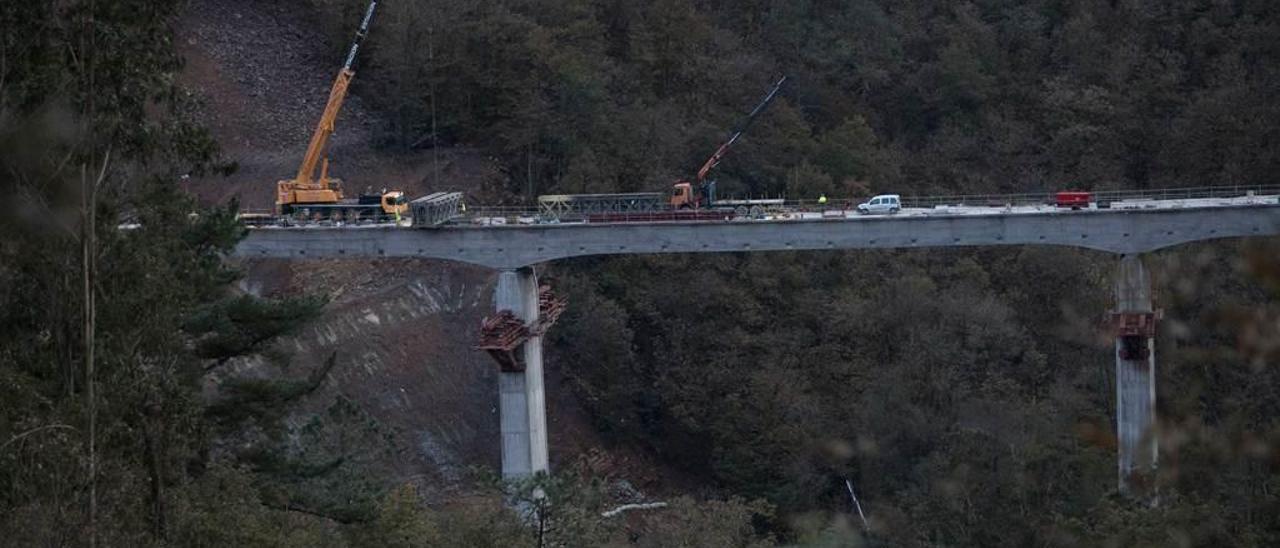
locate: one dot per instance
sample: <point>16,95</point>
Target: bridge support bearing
<point>1133,321</point>
<point>522,400</point>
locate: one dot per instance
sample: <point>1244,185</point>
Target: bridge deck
<point>1132,227</point>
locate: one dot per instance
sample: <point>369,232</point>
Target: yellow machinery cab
<point>394,203</point>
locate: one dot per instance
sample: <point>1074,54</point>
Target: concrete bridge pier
<point>1134,320</point>
<point>522,400</point>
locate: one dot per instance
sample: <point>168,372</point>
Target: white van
<point>884,203</point>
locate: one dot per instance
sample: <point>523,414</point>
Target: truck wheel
<point>757,212</point>
<point>893,210</point>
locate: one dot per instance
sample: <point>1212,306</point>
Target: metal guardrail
<point>532,214</point>
<point>497,216</point>
<point>977,200</point>
<point>1102,196</point>
<point>1190,193</point>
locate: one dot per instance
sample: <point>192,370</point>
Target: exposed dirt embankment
<point>400,331</point>
<point>401,334</point>
<point>263,72</point>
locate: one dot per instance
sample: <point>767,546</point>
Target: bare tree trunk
<point>86,264</point>
<point>65,332</point>
<point>88,224</point>
<point>155,439</point>
<point>431,86</point>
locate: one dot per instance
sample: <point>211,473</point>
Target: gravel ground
<point>281,65</point>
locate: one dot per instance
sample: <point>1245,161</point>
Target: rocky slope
<point>400,331</point>
<point>262,72</point>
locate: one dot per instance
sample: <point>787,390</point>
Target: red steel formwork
<point>501,335</point>
<point>1134,329</point>
<point>1141,324</point>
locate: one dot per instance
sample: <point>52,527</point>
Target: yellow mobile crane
<point>308,198</point>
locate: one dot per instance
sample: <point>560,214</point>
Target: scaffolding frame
<point>502,335</point>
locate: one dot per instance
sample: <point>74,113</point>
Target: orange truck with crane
<point>684,196</point>
<point>309,198</point>
<point>684,203</point>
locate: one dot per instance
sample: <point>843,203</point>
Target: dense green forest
<point>909,96</point>
<point>966,394</point>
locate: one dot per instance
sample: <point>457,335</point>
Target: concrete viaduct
<point>513,249</point>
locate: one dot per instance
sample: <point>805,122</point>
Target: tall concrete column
<point>1135,378</point>
<point>522,402</point>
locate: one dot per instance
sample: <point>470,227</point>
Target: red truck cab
<point>1074,199</point>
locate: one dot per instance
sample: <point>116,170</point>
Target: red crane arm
<point>714,160</point>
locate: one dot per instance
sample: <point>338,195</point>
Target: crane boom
<point>309,197</point>
<point>337,94</point>
<point>715,158</point>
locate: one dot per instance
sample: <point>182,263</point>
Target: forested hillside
<point>973,96</point>
<point>966,395</point>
